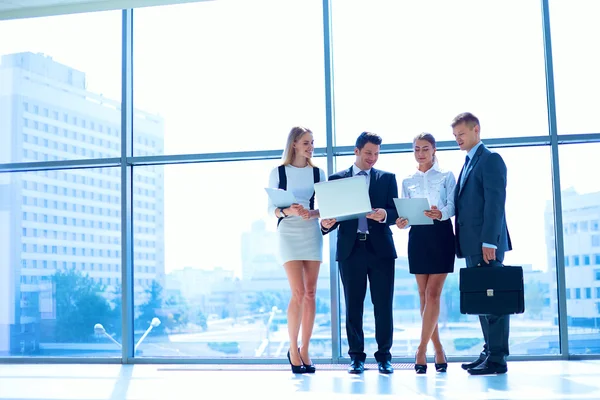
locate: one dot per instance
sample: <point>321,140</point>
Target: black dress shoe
<point>310,368</point>
<point>385,367</point>
<point>296,369</point>
<point>356,367</point>
<point>473,364</point>
<point>488,368</point>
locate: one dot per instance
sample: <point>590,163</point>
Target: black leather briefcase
<point>492,290</point>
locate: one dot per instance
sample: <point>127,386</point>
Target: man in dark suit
<point>481,233</point>
<point>365,250</point>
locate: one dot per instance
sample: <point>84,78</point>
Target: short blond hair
<point>469,119</point>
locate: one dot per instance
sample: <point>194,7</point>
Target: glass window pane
<point>407,68</point>
<point>54,301</point>
<point>206,265</point>
<point>228,76</point>
<point>581,203</point>
<point>56,84</point>
<point>535,331</point>
<point>576,58</point>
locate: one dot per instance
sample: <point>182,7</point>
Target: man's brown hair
<point>469,119</point>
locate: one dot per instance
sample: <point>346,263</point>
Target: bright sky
<point>232,75</point>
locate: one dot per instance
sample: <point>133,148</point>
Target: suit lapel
<point>474,162</point>
<point>458,189</point>
<point>372,180</point>
<point>458,185</point>
<point>353,222</point>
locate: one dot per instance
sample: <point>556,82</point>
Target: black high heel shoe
<point>296,369</point>
<point>310,368</point>
<point>442,367</point>
<point>420,368</point>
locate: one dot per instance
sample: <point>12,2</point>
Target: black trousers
<point>360,266</point>
<point>495,328</point>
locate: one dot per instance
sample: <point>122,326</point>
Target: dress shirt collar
<point>472,152</point>
<point>356,170</point>
<point>434,167</point>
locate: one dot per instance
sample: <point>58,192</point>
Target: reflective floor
<point>525,380</point>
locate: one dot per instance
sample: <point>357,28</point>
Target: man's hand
<point>328,223</point>
<point>489,254</point>
<point>378,214</point>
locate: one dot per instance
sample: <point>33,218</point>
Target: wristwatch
<point>282,213</point>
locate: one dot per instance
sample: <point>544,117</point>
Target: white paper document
<point>412,209</point>
<point>281,198</point>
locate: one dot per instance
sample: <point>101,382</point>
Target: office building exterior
<point>59,220</point>
<point>581,227</point>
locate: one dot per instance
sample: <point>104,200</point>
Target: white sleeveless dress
<point>298,239</point>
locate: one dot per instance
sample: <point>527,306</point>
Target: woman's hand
<point>401,223</point>
<point>310,214</point>
<point>434,213</point>
<point>305,214</point>
<point>294,209</point>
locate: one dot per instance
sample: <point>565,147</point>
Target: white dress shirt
<point>355,171</point>
<point>436,185</point>
<point>466,170</point>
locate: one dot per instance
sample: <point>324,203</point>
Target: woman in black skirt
<point>430,247</point>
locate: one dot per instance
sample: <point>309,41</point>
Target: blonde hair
<point>295,134</point>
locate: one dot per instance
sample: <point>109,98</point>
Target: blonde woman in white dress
<point>300,241</point>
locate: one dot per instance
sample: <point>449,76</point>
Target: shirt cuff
<point>490,246</point>
<point>444,215</point>
<point>385,218</point>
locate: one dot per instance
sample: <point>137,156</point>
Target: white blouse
<point>435,185</point>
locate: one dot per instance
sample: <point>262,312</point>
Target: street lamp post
<point>100,331</point>
<point>153,324</point>
<point>274,310</point>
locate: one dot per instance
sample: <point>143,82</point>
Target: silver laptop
<point>343,199</point>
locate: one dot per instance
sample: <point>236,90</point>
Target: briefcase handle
<point>493,263</point>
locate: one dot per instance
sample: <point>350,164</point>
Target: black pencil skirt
<point>431,248</point>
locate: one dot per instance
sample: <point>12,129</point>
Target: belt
<point>362,236</point>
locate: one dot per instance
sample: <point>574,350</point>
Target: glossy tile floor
<point>525,380</point>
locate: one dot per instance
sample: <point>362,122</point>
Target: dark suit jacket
<point>383,188</point>
<point>480,213</point>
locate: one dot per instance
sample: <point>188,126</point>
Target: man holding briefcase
<point>481,233</point>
